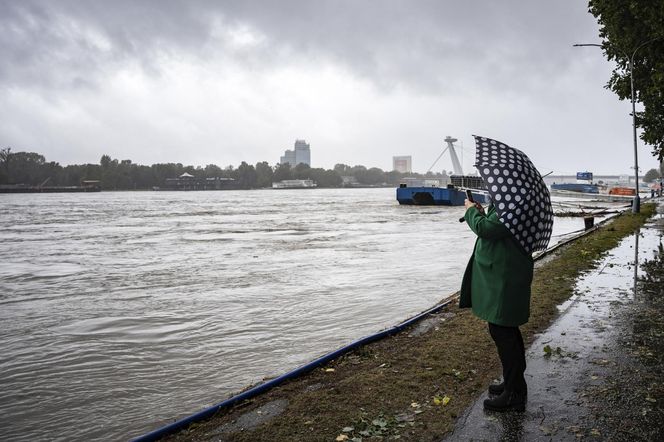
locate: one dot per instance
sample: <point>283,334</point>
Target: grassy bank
<point>414,385</point>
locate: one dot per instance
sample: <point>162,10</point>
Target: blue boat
<point>584,184</point>
<point>428,192</point>
<point>435,196</point>
<point>576,187</point>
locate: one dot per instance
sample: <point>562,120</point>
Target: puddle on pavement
<point>579,352</point>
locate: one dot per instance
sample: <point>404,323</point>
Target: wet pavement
<point>581,354</point>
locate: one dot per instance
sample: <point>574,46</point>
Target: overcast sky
<point>222,82</point>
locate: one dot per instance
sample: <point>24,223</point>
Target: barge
<point>428,192</point>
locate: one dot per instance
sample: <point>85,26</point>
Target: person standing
<point>496,285</point>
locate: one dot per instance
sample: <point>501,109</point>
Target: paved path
<point>583,351</point>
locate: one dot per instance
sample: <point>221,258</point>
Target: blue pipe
<point>209,412</point>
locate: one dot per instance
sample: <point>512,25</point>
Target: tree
<point>5,158</point>
<point>264,174</point>
<point>636,28</point>
<point>302,171</point>
<point>245,175</point>
<point>651,176</point>
<point>105,162</point>
<point>342,169</point>
<point>213,171</point>
<point>26,168</point>
<point>282,172</point>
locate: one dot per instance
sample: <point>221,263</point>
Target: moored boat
<point>584,184</point>
<point>428,192</point>
<point>626,191</point>
<point>437,196</point>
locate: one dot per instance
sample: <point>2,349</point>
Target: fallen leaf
<point>329,370</point>
<point>446,400</point>
<point>379,423</point>
<point>415,405</point>
<point>545,430</point>
<point>341,438</point>
<point>347,429</point>
<point>651,399</point>
<point>595,432</point>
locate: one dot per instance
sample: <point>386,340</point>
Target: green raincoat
<point>496,283</point>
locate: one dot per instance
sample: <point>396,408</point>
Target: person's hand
<point>470,204</point>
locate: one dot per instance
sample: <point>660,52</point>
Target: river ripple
<point>121,311</point>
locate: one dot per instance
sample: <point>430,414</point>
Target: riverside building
<point>300,154</point>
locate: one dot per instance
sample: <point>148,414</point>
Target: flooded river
<point>121,311</point>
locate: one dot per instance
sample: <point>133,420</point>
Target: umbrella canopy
<point>518,192</point>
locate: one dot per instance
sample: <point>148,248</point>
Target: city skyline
<point>208,83</point>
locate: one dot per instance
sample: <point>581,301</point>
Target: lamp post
<point>636,203</point>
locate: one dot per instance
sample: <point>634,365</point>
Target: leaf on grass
<point>595,432</point>
<point>547,350</point>
<point>341,437</point>
<point>415,405</point>
<point>379,423</point>
<point>651,399</point>
<point>347,429</point>
<point>329,370</point>
<point>437,400</point>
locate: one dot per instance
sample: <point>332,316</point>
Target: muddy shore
<point>416,385</point>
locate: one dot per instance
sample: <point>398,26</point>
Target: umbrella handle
<point>462,219</point>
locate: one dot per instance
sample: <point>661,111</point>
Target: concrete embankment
<point>416,385</point>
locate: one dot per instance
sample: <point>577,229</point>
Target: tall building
<point>289,157</point>
<point>300,154</point>
<point>402,164</point>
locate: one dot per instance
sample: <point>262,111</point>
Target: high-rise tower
<point>300,154</point>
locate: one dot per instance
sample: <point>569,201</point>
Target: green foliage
<point>651,175</point>
<point>245,176</point>
<point>31,168</point>
<point>282,172</point>
<point>264,174</point>
<point>635,28</point>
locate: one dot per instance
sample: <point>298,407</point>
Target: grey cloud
<point>422,45</point>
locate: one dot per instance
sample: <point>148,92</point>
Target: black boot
<point>496,389</point>
<point>507,401</point>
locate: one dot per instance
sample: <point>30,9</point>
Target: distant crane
<point>458,170</point>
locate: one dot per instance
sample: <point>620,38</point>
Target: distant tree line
<point>31,168</point>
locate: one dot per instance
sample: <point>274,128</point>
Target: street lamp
<point>636,204</point>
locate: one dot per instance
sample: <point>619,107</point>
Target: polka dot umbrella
<point>518,192</point>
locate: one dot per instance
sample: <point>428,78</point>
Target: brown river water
<point>122,311</point>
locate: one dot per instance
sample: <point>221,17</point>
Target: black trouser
<point>512,353</point>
